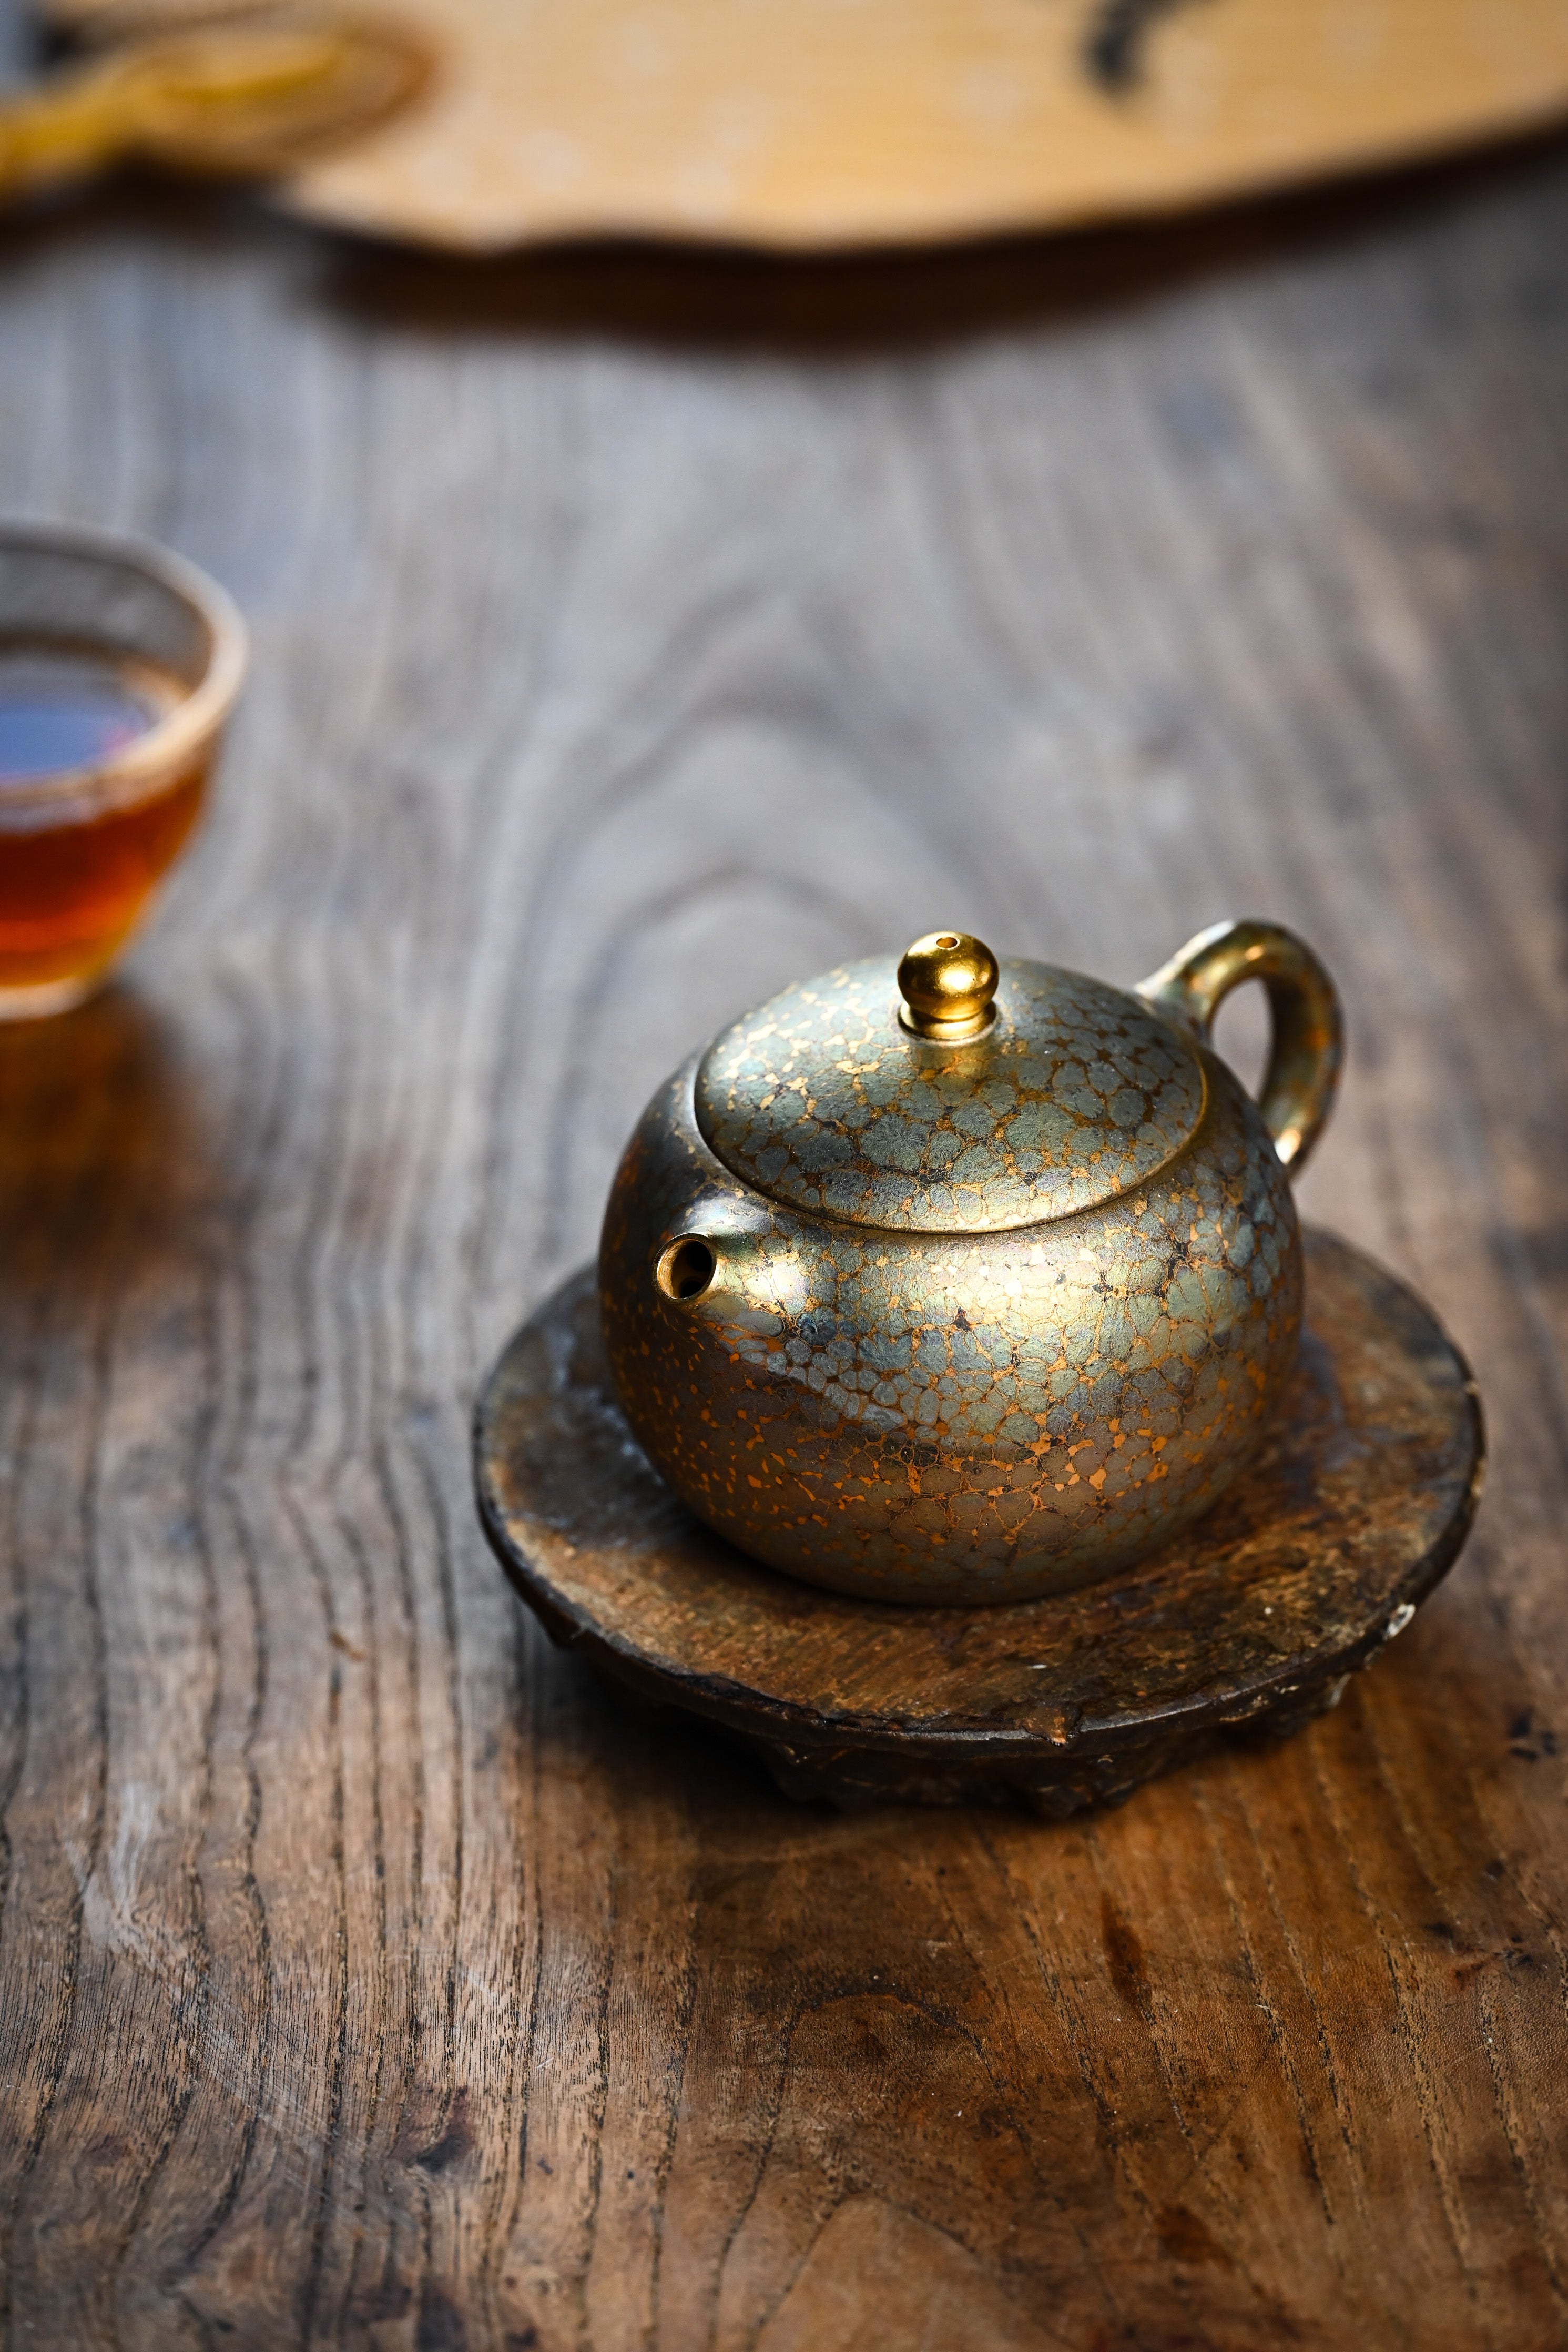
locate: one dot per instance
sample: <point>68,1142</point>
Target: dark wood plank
<point>633,634</point>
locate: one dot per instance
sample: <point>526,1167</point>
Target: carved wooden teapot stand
<point>1353,1510</point>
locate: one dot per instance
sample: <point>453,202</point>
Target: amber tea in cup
<point>118,665</point>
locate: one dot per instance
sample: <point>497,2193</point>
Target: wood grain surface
<point>631,635</point>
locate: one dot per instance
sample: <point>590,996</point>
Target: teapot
<point>968,1281</point>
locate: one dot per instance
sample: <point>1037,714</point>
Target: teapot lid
<point>955,1095</point>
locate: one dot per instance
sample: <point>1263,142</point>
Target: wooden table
<point>632,633</point>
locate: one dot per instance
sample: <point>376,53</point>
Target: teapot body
<point>952,1416</point>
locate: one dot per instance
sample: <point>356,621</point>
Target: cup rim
<point>123,777</point>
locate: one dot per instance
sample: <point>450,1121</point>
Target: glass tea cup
<point>118,665</point>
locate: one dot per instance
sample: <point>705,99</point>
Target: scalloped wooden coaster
<point>1353,1510</point>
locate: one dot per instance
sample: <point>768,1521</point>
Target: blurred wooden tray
<point>1355,1508</point>
<point>822,123</point>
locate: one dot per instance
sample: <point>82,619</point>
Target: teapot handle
<point>1308,1030</point>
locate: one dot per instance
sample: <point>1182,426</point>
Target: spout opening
<point>686,1269</point>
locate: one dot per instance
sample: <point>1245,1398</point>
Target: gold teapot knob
<point>948,980</point>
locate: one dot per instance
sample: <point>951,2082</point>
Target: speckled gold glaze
<point>823,1101</point>
<point>1055,1332</point>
